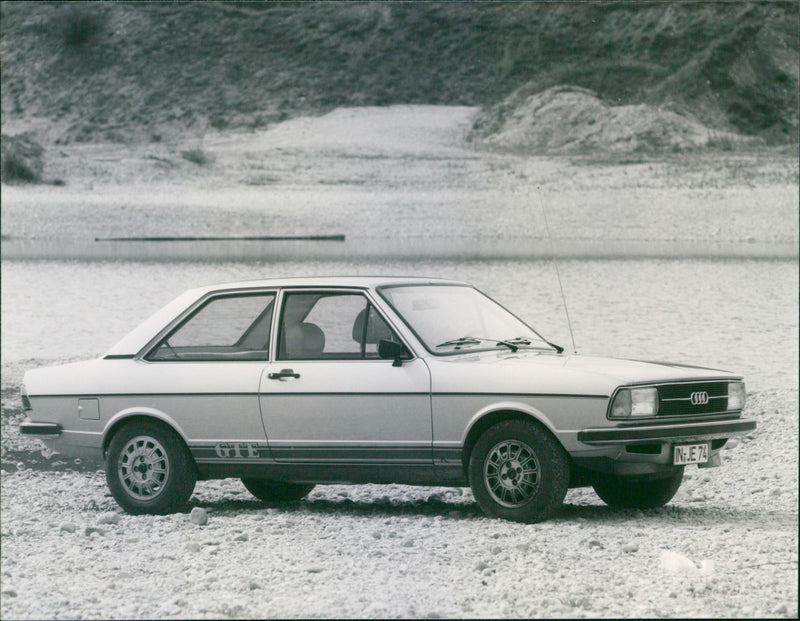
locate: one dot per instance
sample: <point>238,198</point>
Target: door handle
<point>283,373</point>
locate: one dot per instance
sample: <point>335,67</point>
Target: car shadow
<point>695,514</point>
<point>466,510</point>
<point>378,507</point>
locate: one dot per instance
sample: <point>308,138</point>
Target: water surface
<point>738,314</point>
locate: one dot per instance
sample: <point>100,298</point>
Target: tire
<point>149,469</point>
<point>618,491</point>
<point>272,491</point>
<point>518,471</point>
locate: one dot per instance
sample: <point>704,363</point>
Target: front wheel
<point>618,491</point>
<point>518,471</point>
<point>270,491</point>
<point>149,470</point>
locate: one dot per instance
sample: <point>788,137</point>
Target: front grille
<point>677,399</point>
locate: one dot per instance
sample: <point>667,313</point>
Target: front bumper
<point>663,433</point>
<point>646,451</point>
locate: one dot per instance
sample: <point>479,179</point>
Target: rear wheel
<point>618,491</point>
<point>269,490</point>
<point>518,471</point>
<point>148,469</point>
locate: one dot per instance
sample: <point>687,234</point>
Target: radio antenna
<point>558,274</point>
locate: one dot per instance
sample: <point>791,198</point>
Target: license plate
<point>690,454</point>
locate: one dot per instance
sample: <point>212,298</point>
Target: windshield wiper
<point>477,340</point>
<point>522,340</point>
<point>464,340</point>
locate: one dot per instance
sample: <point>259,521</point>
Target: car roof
<point>367,282</point>
<point>140,336</point>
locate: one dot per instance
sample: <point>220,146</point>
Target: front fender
<point>507,406</point>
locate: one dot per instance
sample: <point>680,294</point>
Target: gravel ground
<point>726,546</point>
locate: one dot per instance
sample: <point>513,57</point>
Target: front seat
<point>304,341</point>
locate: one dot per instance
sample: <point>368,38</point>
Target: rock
<point>482,565</point>
<point>595,544</point>
<point>630,548</point>
<point>92,530</point>
<point>732,443</point>
<point>109,518</point>
<point>676,563</point>
<point>199,516</point>
<point>781,610</point>
<point>242,537</point>
<point>408,543</point>
<point>706,567</point>
<point>194,548</point>
<point>68,527</point>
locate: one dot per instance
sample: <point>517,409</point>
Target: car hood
<point>549,373</point>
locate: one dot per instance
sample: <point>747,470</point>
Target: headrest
<point>304,340</point>
<point>376,330</point>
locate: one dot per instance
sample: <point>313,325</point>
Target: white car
<point>293,382</point>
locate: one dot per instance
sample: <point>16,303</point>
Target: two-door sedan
<point>293,382</point>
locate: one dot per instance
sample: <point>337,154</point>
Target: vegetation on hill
<point>153,71</point>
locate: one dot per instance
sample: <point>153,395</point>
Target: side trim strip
<point>323,394</point>
<point>146,394</point>
<point>516,395</point>
<point>398,454</point>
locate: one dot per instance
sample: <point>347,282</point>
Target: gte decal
<point>238,450</point>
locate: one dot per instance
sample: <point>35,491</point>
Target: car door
<point>328,398</point>
<point>204,373</point>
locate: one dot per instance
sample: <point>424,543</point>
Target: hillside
<point>86,72</point>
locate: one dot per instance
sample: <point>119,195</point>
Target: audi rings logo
<point>699,398</point>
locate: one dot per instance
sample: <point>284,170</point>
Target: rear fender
<point>120,418</point>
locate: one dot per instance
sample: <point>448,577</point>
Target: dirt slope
<point>567,119</point>
<point>154,71</point>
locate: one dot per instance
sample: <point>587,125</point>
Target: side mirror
<point>392,349</point>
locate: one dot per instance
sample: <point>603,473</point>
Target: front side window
<point>235,327</point>
<point>330,325</point>
<point>451,319</point>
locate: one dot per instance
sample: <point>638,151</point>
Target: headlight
<point>736,396</point>
<point>631,402</point>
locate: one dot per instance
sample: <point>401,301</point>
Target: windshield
<point>451,319</point>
